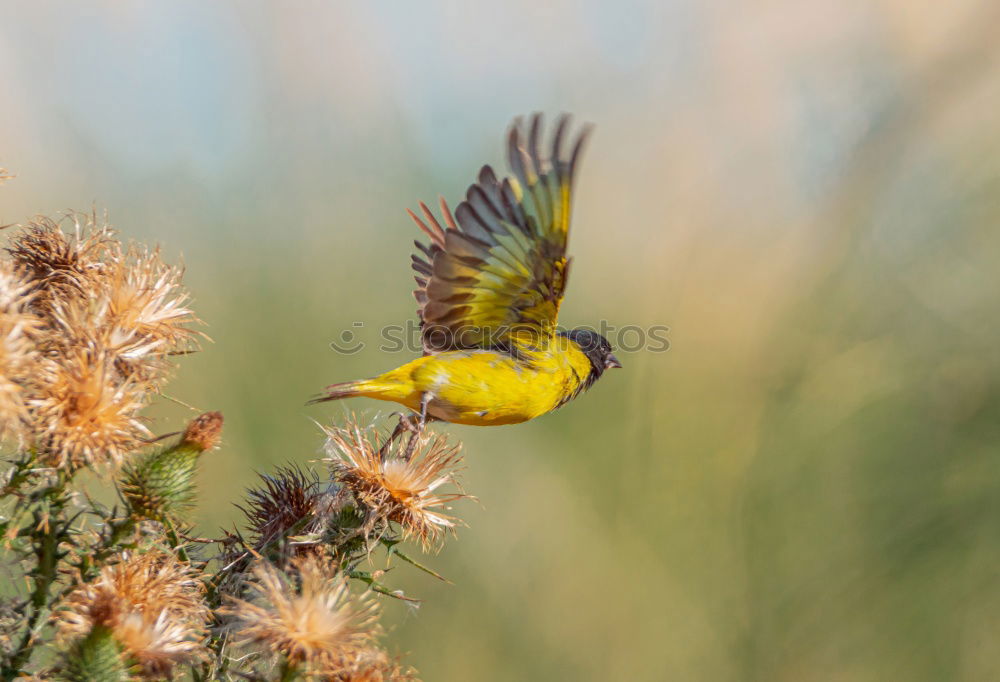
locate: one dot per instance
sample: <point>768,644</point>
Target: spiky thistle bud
<point>290,503</point>
<point>161,485</point>
<point>203,432</point>
<point>97,657</point>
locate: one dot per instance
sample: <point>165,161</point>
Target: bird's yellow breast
<point>483,387</point>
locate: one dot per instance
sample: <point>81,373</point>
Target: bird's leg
<point>425,401</point>
<point>405,423</point>
<point>418,429</point>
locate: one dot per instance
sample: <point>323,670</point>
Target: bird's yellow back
<point>485,387</point>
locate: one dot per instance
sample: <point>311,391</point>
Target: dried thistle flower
<point>145,297</point>
<point>19,359</point>
<point>140,310</point>
<point>395,488</point>
<point>290,502</point>
<point>84,413</point>
<point>203,432</point>
<point>374,665</point>
<point>130,302</point>
<point>151,604</point>
<point>59,265</point>
<point>310,618</point>
<point>108,316</point>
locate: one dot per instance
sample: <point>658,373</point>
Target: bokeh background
<point>805,487</point>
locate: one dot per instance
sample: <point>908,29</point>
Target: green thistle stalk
<point>288,672</point>
<point>95,658</point>
<point>160,485</point>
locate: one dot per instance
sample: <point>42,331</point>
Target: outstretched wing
<point>494,275</point>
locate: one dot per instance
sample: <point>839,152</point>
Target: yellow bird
<point>489,287</point>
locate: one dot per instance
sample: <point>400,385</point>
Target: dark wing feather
<point>494,274</point>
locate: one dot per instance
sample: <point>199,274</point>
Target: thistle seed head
<point>19,359</point>
<point>84,413</point>
<point>61,265</point>
<point>308,615</point>
<point>153,606</point>
<point>101,321</point>
<point>401,490</point>
<point>374,665</point>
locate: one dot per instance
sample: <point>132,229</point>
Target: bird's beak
<point>612,362</point>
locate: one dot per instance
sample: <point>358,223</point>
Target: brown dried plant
<point>399,483</point>
<point>106,318</point>
<point>61,265</point>
<point>309,616</point>
<point>373,665</point>
<point>152,604</point>
<point>289,503</point>
<point>84,413</point>
<point>19,358</point>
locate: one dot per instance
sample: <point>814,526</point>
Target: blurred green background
<point>805,487</point>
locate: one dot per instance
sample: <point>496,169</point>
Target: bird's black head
<point>596,348</point>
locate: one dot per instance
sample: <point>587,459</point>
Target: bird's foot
<point>418,423</point>
<point>411,445</point>
<point>411,423</point>
<point>407,423</point>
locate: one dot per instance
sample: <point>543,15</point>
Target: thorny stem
<point>219,639</point>
<point>112,543</point>
<point>288,672</point>
<point>22,469</point>
<point>19,475</point>
<point>214,669</point>
<point>46,534</point>
<point>175,541</point>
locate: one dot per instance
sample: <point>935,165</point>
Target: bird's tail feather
<point>347,389</point>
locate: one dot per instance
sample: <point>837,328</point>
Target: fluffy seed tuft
<point>83,413</point>
<point>88,326</point>
<point>19,358</point>
<point>394,488</point>
<point>309,616</point>
<point>374,665</point>
<point>151,603</point>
